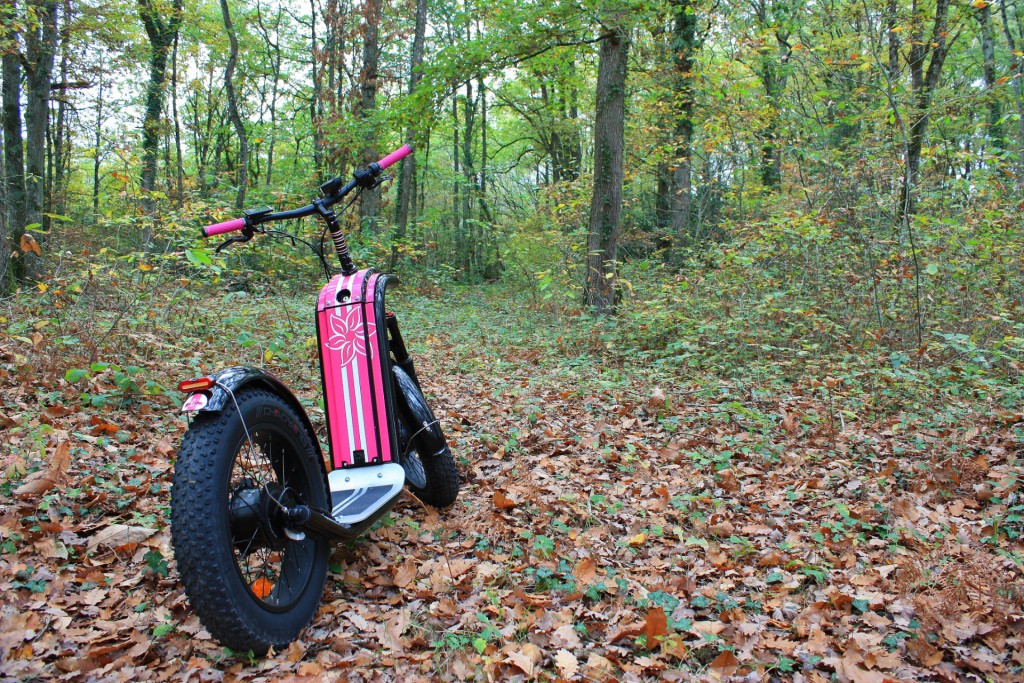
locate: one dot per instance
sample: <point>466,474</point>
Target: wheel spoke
<point>286,579</point>
<point>248,545</point>
<point>241,477</point>
<point>271,566</point>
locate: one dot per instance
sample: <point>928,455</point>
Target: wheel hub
<point>255,517</point>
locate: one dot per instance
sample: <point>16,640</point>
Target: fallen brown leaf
<point>566,663</point>
<point>655,625</point>
<point>923,652</point>
<point>116,535</point>
<point>42,481</point>
<point>503,502</point>
<point>725,664</point>
<point>405,573</point>
<point>527,659</point>
<point>585,571</point>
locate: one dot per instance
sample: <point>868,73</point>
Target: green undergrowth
<point>705,350</point>
<point>121,331</point>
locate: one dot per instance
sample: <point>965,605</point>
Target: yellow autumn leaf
<point>145,267</point>
<point>980,4</point>
<point>267,355</point>
<point>638,540</point>
<point>43,287</point>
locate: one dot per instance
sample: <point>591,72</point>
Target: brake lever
<point>380,181</point>
<point>244,237</point>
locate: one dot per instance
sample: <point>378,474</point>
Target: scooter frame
<point>359,343</point>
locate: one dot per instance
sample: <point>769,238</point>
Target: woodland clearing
<point>617,522</point>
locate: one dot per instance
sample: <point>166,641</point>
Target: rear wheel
<point>253,583</point>
<point>430,470</point>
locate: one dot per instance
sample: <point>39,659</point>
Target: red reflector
<point>197,384</point>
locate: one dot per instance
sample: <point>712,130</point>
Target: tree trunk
<point>333,21</point>
<point>457,226</point>
<point>202,132</point>
<point>236,118</point>
<point>606,201</point>
<point>891,23</point>
<point>369,204</point>
<point>40,46</point>
<point>179,176</point>
<point>161,31</point>
<point>574,143</point>
<point>14,155</point>
<point>923,84</point>
<point>274,55</point>
<point>60,161</point>
<point>468,182</point>
<point>684,45</point>
<point>485,213</point>
<point>97,156</point>
<point>988,69</point>
<point>273,116</point>
<point>407,174</point>
<point>773,79</point>
<point>663,210</point>
<point>1018,82</point>
<point>315,104</point>
<point>5,252</point>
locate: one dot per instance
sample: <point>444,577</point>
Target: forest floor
<point>617,521</point>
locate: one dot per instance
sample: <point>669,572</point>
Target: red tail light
<point>197,384</point>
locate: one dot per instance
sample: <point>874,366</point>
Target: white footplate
<point>358,492</point>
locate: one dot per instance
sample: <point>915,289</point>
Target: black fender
<point>233,379</point>
<point>419,421</point>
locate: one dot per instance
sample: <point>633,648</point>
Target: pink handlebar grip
<point>221,228</point>
<point>399,154</point>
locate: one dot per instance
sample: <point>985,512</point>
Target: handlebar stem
<point>337,236</point>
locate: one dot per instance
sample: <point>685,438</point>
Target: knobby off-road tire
<point>252,586</point>
<point>429,464</point>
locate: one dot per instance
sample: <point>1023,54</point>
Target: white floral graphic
<point>345,333</point>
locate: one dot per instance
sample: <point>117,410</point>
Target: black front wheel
<point>430,470</point>
<point>253,582</point>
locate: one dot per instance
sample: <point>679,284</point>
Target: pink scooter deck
<point>353,373</point>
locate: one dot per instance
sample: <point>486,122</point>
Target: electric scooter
<point>254,510</point>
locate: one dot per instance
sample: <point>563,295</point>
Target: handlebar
<point>333,189</point>
<point>221,228</point>
<point>399,154</point>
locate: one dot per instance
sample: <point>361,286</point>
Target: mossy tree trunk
<point>161,28</point>
<point>606,202</point>
<point>685,43</point>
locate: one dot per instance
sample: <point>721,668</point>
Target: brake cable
<point>312,247</point>
<point>319,252</point>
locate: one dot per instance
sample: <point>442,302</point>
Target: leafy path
<point>615,524</point>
